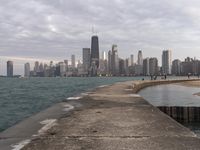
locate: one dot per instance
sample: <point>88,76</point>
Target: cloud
<point>49,29</point>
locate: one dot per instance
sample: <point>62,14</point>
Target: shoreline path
<point>113,118</point>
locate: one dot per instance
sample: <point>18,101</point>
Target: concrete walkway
<point>113,118</point>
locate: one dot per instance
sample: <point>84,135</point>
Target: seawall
<point>180,114</point>
<point>114,118</point>
<point>139,85</point>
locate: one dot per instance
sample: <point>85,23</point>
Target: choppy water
<point>21,98</point>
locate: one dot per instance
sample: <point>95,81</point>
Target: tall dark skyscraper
<point>94,61</point>
<point>95,51</point>
<point>9,69</point>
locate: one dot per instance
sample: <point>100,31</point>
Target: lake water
<point>176,97</point>
<point>21,98</point>
<point>171,95</point>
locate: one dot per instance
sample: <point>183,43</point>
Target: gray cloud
<point>49,29</point>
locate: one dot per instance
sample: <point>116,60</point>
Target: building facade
<point>73,61</point>
<point>94,62</point>
<point>140,58</point>
<point>166,62</point>
<point>146,67</point>
<point>27,70</point>
<point>9,68</point>
<point>176,67</point>
<point>86,59</point>
<point>153,66</point>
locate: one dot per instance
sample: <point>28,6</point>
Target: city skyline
<point>112,65</point>
<point>65,27</point>
<point>133,60</point>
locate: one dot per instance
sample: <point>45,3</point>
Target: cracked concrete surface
<point>111,119</point>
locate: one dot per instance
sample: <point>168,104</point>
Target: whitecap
<point>102,86</point>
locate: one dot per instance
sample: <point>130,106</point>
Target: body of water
<point>171,95</point>
<point>177,101</point>
<point>21,98</point>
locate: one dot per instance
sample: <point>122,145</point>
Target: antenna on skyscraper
<point>93,30</point>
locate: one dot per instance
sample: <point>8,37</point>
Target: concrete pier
<point>114,118</point>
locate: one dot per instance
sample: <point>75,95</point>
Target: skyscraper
<point>95,51</point>
<point>86,59</point>
<point>27,70</point>
<point>36,67</point>
<point>66,65</point>
<point>146,67</point>
<point>122,70</point>
<point>104,55</point>
<point>140,58</point>
<point>176,67</point>
<point>110,62</point>
<point>113,61</point>
<point>41,67</point>
<point>73,61</point>
<point>153,66</point>
<point>9,69</point>
<point>132,60</point>
<point>62,69</point>
<point>94,62</point>
<point>166,62</point>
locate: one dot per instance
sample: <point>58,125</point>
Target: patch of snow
<point>73,98</point>
<point>20,145</point>
<point>48,123</point>
<point>134,95</point>
<point>68,107</point>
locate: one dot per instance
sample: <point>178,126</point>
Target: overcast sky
<point>54,29</point>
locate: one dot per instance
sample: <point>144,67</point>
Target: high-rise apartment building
<point>146,67</point>
<point>41,67</point>
<point>27,70</point>
<point>166,62</point>
<point>62,69</point>
<point>73,61</point>
<point>140,58</point>
<point>113,61</point>
<point>104,55</point>
<point>122,70</point>
<point>86,59</point>
<point>66,64</point>
<point>103,64</point>
<point>153,66</point>
<point>176,67</point>
<point>110,62</point>
<point>131,60</point>
<point>9,68</point>
<point>36,67</point>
